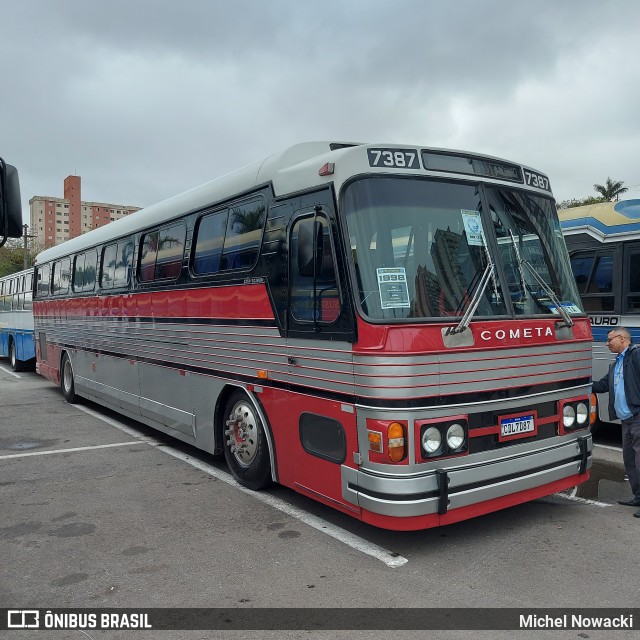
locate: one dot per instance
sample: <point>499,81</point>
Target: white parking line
<point>355,542</point>
<point>595,503</point>
<point>11,373</point>
<point>48,453</point>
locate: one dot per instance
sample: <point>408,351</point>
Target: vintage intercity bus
<point>391,330</point>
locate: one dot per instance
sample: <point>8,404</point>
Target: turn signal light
<point>396,442</point>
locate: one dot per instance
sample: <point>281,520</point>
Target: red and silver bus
<point>391,330</point>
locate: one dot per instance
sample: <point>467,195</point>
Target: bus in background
<point>16,319</point>
<point>604,246</point>
<point>391,330</point>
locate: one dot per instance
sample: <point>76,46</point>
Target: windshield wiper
<point>568,322</point>
<point>489,274</point>
<point>523,284</point>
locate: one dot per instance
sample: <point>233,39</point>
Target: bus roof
<point>292,170</point>
<point>604,221</point>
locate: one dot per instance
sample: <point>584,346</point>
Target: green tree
<point>570,204</point>
<point>12,256</point>
<point>611,190</point>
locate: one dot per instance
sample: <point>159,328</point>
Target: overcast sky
<point>145,99</point>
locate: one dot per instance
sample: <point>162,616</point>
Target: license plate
<point>517,426</point>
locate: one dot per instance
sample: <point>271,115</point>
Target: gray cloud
<point>145,99</point>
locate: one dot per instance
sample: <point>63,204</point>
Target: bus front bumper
<point>464,483</point>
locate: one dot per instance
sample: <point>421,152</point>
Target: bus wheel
<point>66,380</point>
<point>245,443</point>
<point>16,365</point>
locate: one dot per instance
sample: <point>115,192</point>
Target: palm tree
<point>612,190</point>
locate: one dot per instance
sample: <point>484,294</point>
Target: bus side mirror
<point>310,247</point>
<point>10,203</point>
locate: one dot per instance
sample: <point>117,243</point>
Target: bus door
<point>321,420</point>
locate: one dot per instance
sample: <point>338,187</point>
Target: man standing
<point>623,384</point>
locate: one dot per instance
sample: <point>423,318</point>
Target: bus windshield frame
<point>419,248</point>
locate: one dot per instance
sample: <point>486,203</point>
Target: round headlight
<point>568,416</point>
<point>431,440</point>
<point>455,436</point>
<point>582,413</point>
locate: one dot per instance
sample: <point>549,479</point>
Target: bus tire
<point>67,383</point>
<point>245,444</point>
<point>16,365</point>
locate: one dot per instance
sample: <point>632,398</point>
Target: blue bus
<point>16,319</point>
<point>604,245</point>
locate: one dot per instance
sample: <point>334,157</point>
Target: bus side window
<point>242,237</point>
<point>107,275</point>
<point>327,304</point>
<point>170,251</point>
<point>594,277</point>
<point>61,276</point>
<point>78,272</point>
<point>124,260</point>
<point>209,241</point>
<point>148,257</point>
<point>42,290</point>
<point>633,290</point>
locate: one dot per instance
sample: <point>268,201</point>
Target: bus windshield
<point>420,249</point>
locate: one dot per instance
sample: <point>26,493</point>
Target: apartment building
<point>54,220</point>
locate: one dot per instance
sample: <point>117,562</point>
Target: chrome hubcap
<point>67,375</point>
<point>242,433</point>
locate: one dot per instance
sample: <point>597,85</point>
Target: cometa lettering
<point>517,333</point>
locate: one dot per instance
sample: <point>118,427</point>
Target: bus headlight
<point>582,413</point>
<point>455,436</point>
<point>431,440</point>
<point>568,416</point>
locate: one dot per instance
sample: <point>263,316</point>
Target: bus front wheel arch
<point>244,442</point>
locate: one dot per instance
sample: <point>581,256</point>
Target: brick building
<point>54,220</point>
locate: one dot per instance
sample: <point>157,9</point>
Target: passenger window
<point>107,276</point>
<point>633,290</point>
<point>209,241</point>
<point>84,271</point>
<point>78,272</point>
<point>61,276</point>
<point>594,276</point>
<point>170,251</point>
<point>43,281</point>
<point>148,257</point>
<point>243,236</point>
<point>124,261</point>
<point>162,253</point>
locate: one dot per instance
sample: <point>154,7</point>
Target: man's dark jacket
<point>631,372</point>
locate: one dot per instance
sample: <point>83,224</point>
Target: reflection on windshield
<point>532,252</point>
<point>420,249</point>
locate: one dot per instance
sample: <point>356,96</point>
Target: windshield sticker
<point>473,227</point>
<point>569,307</point>
<point>392,283</point>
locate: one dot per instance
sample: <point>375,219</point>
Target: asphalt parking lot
<point>98,512</point>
